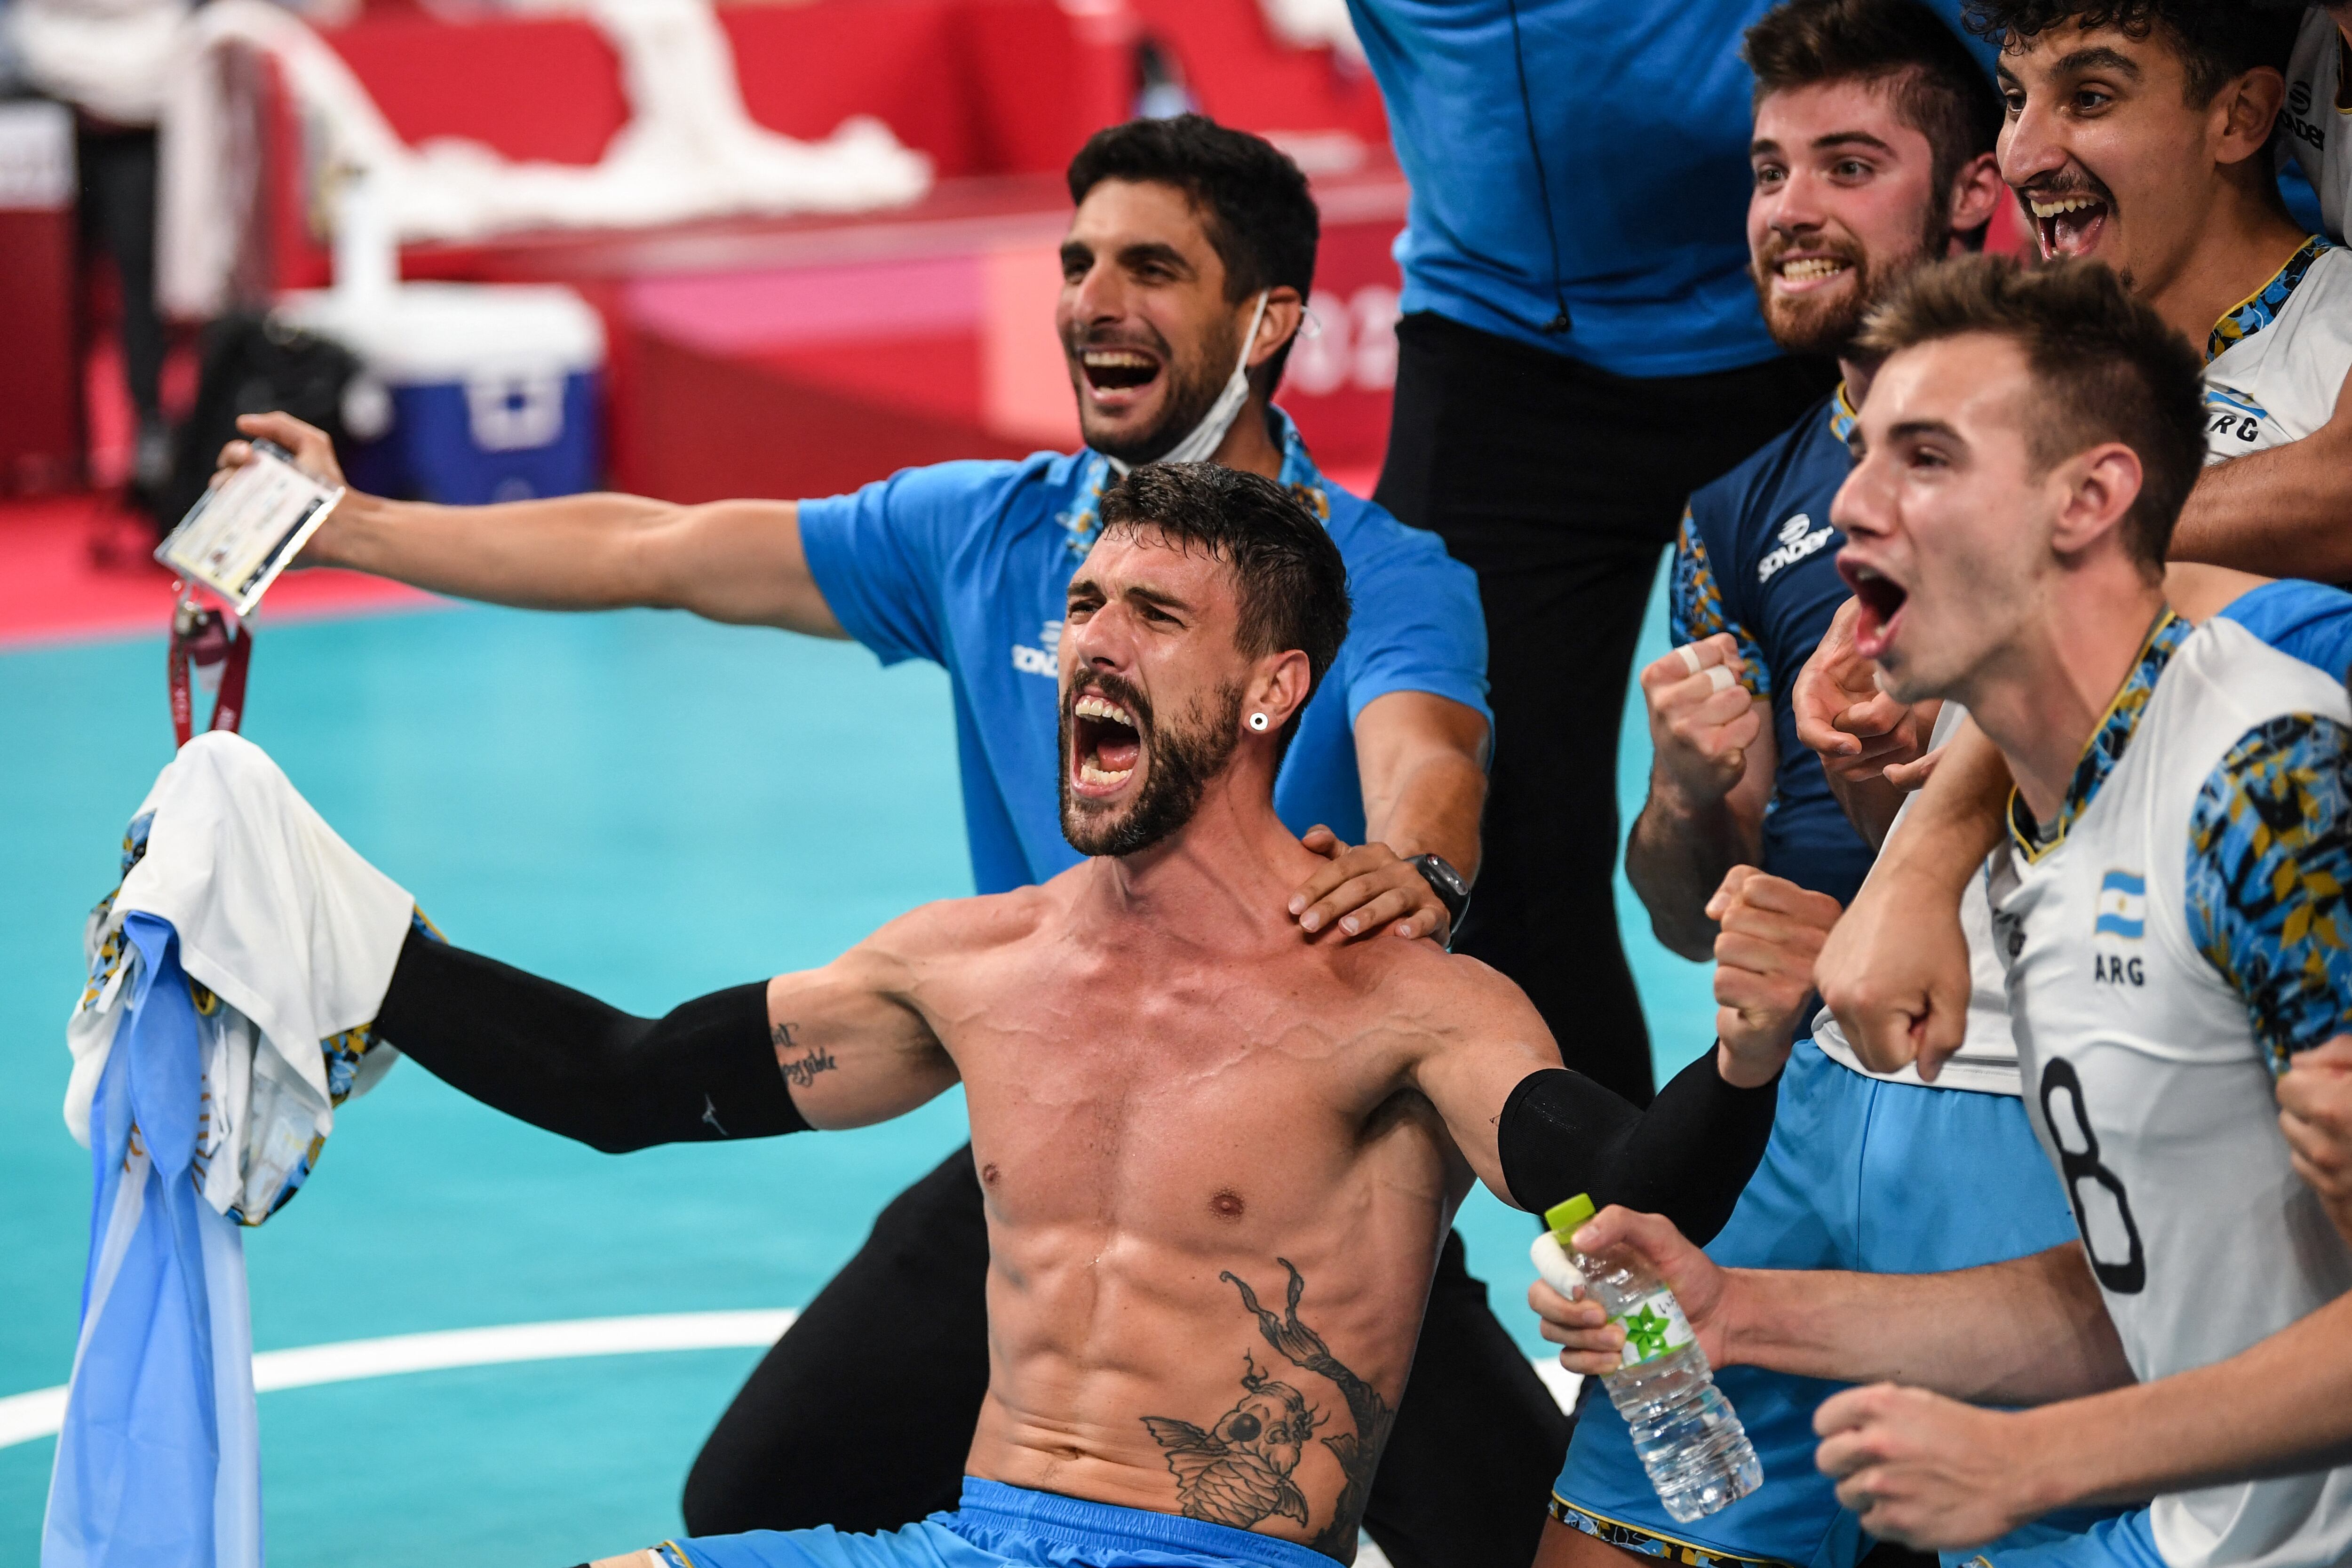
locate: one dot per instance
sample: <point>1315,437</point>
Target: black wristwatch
<point>1453,890</point>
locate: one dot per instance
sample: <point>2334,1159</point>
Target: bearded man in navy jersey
<point>1581,349</point>
<point>1873,156</point>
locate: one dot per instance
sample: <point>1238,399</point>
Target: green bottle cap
<point>1563,1218</point>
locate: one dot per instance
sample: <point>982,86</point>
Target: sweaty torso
<point>1214,1205</point>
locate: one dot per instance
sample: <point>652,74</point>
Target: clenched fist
<point>1702,718</point>
<point>1771,934</point>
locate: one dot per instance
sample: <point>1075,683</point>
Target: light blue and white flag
<point>234,978</point>
<point>157,1462</point>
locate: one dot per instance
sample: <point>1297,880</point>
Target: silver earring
<point>1257,721</point>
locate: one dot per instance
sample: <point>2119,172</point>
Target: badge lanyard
<point>211,641</point>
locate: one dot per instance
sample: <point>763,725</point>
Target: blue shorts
<point>2122,1541</point>
<point>1886,1178</point>
<point>997,1526</point>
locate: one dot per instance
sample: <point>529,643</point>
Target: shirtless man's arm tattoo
<point>802,1068</point>
<point>1238,1472</point>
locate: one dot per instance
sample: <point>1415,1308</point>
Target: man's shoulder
<point>1372,538</point>
<point>1418,980</point>
<point>1409,595</point>
<point>2301,312</point>
<point>2229,711</point>
<point>2227,666</point>
<point>1004,477</point>
<point>2311,621</point>
<point>2325,288</point>
<point>1741,514</point>
<point>964,487</point>
<point>949,929</point>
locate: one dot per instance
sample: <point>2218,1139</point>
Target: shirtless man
<point>1219,1153</point>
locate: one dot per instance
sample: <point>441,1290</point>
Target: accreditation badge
<point>242,534</point>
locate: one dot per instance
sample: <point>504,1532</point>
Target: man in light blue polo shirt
<point>1185,273</point>
<point>908,573</point>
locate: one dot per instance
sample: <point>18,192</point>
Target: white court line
<point>26,1417</point>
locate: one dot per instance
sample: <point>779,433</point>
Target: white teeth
<point>1865,575</point>
<point>2064,204</point>
<point>1089,774</point>
<point>1108,358</point>
<point>1810,267</point>
<point>1093,707</point>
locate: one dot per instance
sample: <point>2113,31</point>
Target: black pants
<point>118,221</point>
<point>863,1414</point>
<point>1559,484</point>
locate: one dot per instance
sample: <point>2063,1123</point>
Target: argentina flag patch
<point>2123,906</point>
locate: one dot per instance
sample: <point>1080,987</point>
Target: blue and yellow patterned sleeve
<point>1695,607</point>
<point>2269,855</point>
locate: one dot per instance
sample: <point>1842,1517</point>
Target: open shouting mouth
<point>1106,743</point>
<point>2069,219</point>
<point>1119,375</point>
<point>1881,609</point>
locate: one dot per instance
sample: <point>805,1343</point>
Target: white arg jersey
<point>2147,1084</point>
<point>1986,1059</point>
<point>2275,364</point>
<point>2316,118</point>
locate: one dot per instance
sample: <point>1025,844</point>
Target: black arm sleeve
<point>1686,1157</point>
<point>564,1061</point>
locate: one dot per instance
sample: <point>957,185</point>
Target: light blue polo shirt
<point>967,564</point>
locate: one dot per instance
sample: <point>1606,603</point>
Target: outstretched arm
<point>2025,1332</point>
<point>1934,1473</point>
<point>830,1047</point>
<point>1537,1134</point>
<point>736,561</point>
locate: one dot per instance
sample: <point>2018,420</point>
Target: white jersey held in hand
<point>2148,1032</point>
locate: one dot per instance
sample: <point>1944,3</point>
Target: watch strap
<point>1447,883</point>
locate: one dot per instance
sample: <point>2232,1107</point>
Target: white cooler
<point>476,392</point>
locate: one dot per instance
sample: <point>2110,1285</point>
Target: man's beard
<point>1806,327</point>
<point>1192,393</point>
<point>1182,762</point>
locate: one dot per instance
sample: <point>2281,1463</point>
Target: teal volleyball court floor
<point>640,805</point>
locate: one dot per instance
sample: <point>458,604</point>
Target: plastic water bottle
<point>1689,1438</point>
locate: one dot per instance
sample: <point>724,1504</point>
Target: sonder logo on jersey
<point>1798,539</point>
<point>2297,119</point>
<point>1043,660</point>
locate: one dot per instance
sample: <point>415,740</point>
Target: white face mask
<point>1206,437</point>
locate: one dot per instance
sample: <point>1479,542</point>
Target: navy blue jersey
<point>1757,559</point>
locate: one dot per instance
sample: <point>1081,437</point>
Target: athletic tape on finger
<point>1720,676</point>
<point>1690,658</point>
